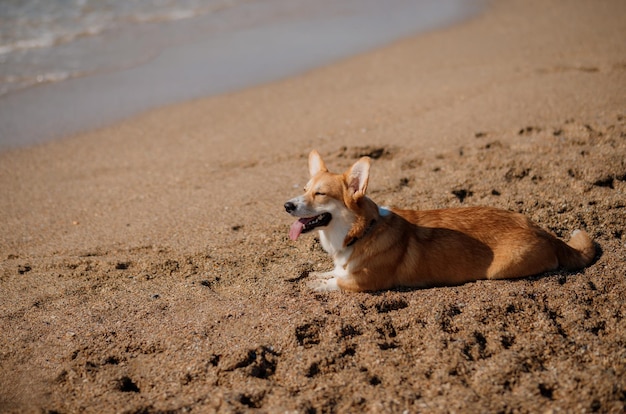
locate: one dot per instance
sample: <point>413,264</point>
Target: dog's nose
<point>289,207</point>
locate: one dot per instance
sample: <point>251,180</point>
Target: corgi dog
<point>377,248</point>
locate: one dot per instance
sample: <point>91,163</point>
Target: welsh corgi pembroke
<point>377,248</point>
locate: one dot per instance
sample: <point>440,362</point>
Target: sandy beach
<point>146,268</point>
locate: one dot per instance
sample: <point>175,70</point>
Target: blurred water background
<point>71,65</point>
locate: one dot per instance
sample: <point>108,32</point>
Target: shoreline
<point>146,266</point>
<point>230,50</point>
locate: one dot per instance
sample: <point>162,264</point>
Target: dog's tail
<point>577,253</point>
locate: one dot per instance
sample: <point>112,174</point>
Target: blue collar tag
<point>383,211</point>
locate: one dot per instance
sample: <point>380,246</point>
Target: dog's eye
<point>320,194</point>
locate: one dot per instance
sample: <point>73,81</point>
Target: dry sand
<point>145,267</point>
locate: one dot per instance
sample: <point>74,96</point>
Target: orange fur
<point>424,248</point>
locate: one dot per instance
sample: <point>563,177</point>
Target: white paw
<point>323,285</point>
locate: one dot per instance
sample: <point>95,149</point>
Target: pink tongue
<point>296,228</point>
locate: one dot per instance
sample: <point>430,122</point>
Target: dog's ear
<point>357,178</point>
<point>316,164</point>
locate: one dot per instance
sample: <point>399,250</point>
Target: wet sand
<point>145,267</point>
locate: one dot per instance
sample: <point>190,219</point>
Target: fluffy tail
<point>578,252</point>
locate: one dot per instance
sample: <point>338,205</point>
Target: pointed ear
<point>316,164</point>
<point>358,177</point>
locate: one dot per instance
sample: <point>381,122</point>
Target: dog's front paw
<point>323,285</point>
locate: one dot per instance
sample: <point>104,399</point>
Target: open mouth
<point>305,225</point>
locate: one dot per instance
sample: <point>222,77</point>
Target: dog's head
<point>328,198</point>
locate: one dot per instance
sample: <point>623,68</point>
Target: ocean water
<point>41,40</point>
<point>72,65</point>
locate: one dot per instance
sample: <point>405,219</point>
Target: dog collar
<point>383,211</point>
<point>367,230</point>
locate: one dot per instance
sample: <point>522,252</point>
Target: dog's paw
<point>323,285</point>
